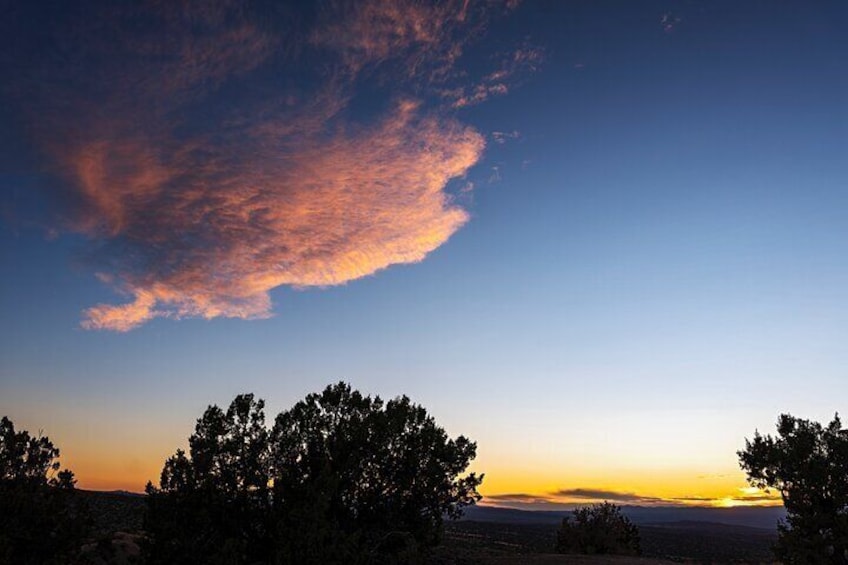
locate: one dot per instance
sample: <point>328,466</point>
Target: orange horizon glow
<point>671,486</point>
<point>103,474</point>
<point>721,500</point>
<point>136,485</point>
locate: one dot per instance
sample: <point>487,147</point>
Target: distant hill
<point>763,517</point>
<point>468,541</point>
<point>120,492</point>
<point>115,511</point>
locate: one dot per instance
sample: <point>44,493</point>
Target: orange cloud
<point>333,211</point>
<point>370,32</point>
<point>212,158</point>
<point>522,60</point>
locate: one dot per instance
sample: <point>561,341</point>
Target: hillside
<point>477,542</point>
<point>489,535</point>
<point>764,517</point>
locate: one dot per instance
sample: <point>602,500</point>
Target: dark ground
<point>468,542</point>
<point>682,541</point>
<point>115,511</point>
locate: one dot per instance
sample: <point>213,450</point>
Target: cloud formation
<point>214,238</point>
<point>610,495</point>
<point>519,497</point>
<point>212,153</point>
<point>496,83</point>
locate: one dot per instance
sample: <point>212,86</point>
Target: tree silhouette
<point>808,464</point>
<point>360,478</point>
<point>39,523</point>
<point>66,480</point>
<point>341,478</point>
<point>25,458</point>
<point>598,529</point>
<point>213,506</point>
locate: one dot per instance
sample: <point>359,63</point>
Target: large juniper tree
<point>341,478</point>
<point>366,478</point>
<point>808,464</point>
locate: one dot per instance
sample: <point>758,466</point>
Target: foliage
<point>66,480</point>
<point>213,506</point>
<point>41,519</point>
<point>598,529</point>
<point>808,464</point>
<point>24,458</point>
<point>341,478</point>
<point>375,478</point>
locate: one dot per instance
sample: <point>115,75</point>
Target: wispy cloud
<point>211,154</point>
<point>497,83</point>
<point>422,36</point>
<point>520,497</point>
<point>669,22</point>
<point>610,495</point>
<point>501,137</point>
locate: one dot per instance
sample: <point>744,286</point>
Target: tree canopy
<point>212,505</point>
<point>340,478</point>
<point>26,458</point>
<point>808,464</point>
<point>40,520</point>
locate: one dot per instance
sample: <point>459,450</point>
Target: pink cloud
<point>514,64</point>
<point>204,190</point>
<point>216,239</point>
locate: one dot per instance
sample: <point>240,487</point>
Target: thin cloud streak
<point>610,495</point>
<point>519,497</point>
<point>204,178</point>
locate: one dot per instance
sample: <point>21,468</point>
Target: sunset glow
<point>606,241</point>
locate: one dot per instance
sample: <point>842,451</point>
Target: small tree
<point>808,464</point>
<point>66,480</point>
<point>598,529</point>
<point>40,519</point>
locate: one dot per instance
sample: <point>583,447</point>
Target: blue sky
<point>652,266</point>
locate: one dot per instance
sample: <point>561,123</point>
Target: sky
<point>606,240</point>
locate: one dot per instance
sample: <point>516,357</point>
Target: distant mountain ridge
<point>120,492</point>
<point>762,517</point>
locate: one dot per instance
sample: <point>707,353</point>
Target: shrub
<point>598,529</point>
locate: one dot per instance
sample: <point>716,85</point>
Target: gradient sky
<point>605,240</point>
